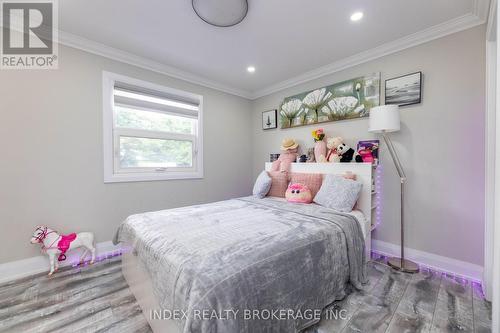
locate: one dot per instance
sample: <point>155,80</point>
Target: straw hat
<point>287,144</point>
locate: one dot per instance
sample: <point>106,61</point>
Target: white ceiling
<point>282,39</point>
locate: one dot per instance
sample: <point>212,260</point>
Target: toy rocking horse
<point>53,243</point>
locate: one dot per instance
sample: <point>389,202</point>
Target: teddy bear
<point>289,155</point>
<point>332,144</point>
<point>331,154</point>
<point>345,152</point>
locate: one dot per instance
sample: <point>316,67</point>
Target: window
<point>150,132</point>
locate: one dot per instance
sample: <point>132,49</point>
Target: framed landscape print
<point>404,90</point>
<point>351,99</point>
<point>269,119</point>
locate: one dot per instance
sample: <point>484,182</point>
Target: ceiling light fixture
<point>251,69</point>
<point>221,13</point>
<point>356,16</point>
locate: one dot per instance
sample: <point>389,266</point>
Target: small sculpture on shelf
<point>310,155</point>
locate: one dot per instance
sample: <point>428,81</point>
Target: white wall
<point>441,144</point>
<point>51,162</point>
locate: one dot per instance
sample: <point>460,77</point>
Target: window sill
<point>147,177</point>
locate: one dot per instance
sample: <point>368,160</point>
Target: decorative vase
<point>319,150</point>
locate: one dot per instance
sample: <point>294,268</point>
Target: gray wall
<point>441,144</point>
<point>51,153</point>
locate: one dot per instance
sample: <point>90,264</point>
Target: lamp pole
<point>401,263</point>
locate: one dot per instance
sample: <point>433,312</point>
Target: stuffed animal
<point>345,152</point>
<point>332,144</point>
<point>289,155</point>
<point>54,244</point>
<point>365,155</point>
<point>298,193</point>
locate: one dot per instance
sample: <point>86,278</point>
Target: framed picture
<point>404,90</point>
<point>269,119</point>
<point>350,99</point>
<point>273,157</point>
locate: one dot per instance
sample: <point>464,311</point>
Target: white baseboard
<point>39,264</point>
<point>463,269</point>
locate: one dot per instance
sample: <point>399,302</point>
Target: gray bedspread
<point>253,265</point>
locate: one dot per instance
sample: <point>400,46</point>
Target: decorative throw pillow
<point>312,180</point>
<point>279,184</point>
<point>299,193</point>
<point>338,193</point>
<point>262,185</point>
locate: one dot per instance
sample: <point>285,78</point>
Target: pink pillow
<point>298,193</point>
<point>279,184</point>
<point>312,180</point>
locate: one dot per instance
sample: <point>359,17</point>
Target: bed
<point>246,264</point>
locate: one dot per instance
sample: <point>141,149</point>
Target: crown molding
<point>491,23</point>
<point>447,28</point>
<point>481,9</point>
<point>93,47</point>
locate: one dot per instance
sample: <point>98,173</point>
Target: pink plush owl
<point>298,193</point>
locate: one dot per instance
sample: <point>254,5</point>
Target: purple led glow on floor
<point>75,260</point>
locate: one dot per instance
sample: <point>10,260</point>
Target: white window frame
<point>111,135</point>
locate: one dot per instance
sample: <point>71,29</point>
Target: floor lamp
<point>385,119</point>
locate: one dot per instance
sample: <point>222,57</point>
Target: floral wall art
<point>351,99</point>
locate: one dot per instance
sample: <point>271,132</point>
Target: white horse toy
<point>53,244</point>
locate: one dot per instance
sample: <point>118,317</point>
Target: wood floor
<point>97,299</point>
<point>402,303</point>
<point>93,298</point>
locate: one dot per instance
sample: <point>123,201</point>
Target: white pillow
<point>262,185</point>
<point>338,193</point>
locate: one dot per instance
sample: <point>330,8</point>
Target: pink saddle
<point>64,244</point>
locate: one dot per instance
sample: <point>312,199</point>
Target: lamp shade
<point>384,118</point>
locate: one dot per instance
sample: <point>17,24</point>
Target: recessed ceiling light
<point>357,16</point>
<point>251,69</point>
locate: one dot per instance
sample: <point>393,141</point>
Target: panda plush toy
<point>345,152</point>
